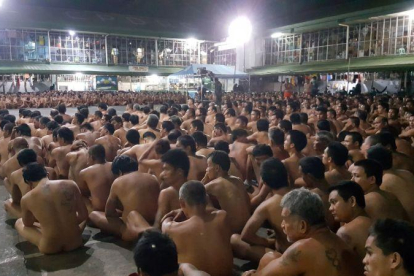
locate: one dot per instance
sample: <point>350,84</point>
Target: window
<point>23,45</point>
<point>80,48</point>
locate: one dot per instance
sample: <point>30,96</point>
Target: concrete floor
<point>102,254</point>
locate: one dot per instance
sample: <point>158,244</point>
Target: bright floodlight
<point>1,3</point>
<point>191,43</point>
<point>72,33</point>
<point>410,13</point>
<point>240,30</point>
<point>276,35</point>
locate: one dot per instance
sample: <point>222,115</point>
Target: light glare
<point>71,33</point>
<point>240,30</point>
<point>276,35</point>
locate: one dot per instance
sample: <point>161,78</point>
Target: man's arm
<point>252,226</point>
<point>291,263</point>
<point>111,204</point>
<point>83,186</point>
<point>80,207</point>
<point>27,216</point>
<point>261,197</point>
<point>163,208</point>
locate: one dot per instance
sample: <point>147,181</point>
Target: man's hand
<point>249,273</point>
<point>175,215</point>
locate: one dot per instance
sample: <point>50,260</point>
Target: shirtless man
<point>77,121</point>
<point>34,143</point>
<point>154,166</point>
<point>234,169</point>
<point>277,139</point>
<point>95,181</point>
<point>295,142</point>
<point>353,125</point>
<point>62,112</point>
<point>133,193</point>
<point>201,144</point>
<point>241,123</point>
<point>353,142</point>
<point>409,131</point>
<point>42,130</point>
<point>77,159</point>
<point>379,204</point>
<point>262,134</point>
<point>58,155</point>
<point>96,122</point>
<point>120,131</point>
<point>334,158</point>
<point>87,134</point>
<point>109,142</point>
<point>57,206</point>
<point>48,138</point>
<point>186,225</point>
<point>249,245</point>
<point>227,192</point>
<point>303,221</point>
<point>12,163</point>
<point>189,116</point>
<point>164,260</point>
<point>297,124</point>
<point>231,118</point>
<point>347,204</point>
<point>238,150</point>
<point>17,185</point>
<point>254,117</point>
<point>397,182</point>
<point>4,142</point>
<point>175,171</point>
<point>387,252</point>
<point>219,134</point>
<point>332,118</point>
<point>198,164</point>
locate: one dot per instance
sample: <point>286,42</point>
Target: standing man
<point>218,91</point>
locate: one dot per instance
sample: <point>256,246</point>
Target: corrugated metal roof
<point>384,63</point>
<point>41,68</point>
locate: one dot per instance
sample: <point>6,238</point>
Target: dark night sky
<point>216,13</point>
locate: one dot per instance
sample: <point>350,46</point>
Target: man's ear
<point>395,260</point>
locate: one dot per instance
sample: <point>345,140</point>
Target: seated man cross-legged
<point>58,208</point>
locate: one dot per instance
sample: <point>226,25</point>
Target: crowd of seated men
<point>50,99</point>
<point>329,177</point>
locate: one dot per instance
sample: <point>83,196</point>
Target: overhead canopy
<point>220,71</point>
<point>383,63</point>
<point>42,68</point>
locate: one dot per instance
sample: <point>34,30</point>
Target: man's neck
<point>358,212</point>
<point>281,191</point>
<point>198,211</point>
<point>374,188</point>
<point>177,184</point>
<point>41,182</point>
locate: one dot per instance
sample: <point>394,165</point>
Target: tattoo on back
<point>333,258</point>
<point>68,199</point>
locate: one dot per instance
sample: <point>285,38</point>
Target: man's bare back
<point>95,184</point>
<point>59,209</point>
<point>229,194</point>
<point>111,145</point>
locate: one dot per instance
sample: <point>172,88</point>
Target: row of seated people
<point>210,177</point>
